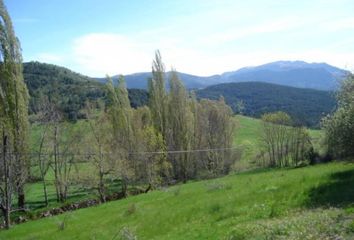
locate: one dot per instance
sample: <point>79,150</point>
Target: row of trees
<point>173,139</point>
<point>282,144</point>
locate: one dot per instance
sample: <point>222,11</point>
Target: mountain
<point>300,74</point>
<point>305,106</point>
<point>68,89</point>
<point>140,80</point>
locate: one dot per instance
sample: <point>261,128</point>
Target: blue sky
<point>200,37</point>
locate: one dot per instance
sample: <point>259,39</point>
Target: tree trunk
<point>6,214</point>
<point>21,197</point>
<point>44,184</point>
<point>7,194</point>
<point>148,188</point>
<point>101,188</point>
<point>45,193</point>
<point>56,164</point>
<point>124,187</point>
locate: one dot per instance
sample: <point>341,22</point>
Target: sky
<point>201,37</point>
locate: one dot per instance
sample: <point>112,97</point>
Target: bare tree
<point>98,144</point>
<point>47,115</point>
<point>284,144</point>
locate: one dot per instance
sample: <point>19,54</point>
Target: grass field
<point>315,202</point>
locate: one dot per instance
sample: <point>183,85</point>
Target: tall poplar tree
<point>120,117</point>
<point>158,96</point>
<point>13,116</point>
<point>180,127</point>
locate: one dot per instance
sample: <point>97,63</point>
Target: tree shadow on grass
<point>337,192</point>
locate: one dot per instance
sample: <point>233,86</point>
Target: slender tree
<point>179,128</point>
<point>98,146</point>
<point>13,112</point>
<point>158,96</point>
<point>120,116</point>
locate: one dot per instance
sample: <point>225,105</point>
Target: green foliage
<point>339,127</point>
<point>277,118</point>
<point>282,144</point>
<point>305,106</point>
<point>180,128</point>
<point>216,117</point>
<point>190,126</point>
<point>157,95</point>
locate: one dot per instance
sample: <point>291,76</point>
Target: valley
<point>102,138</point>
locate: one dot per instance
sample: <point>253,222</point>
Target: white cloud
<point>340,24</point>
<point>98,54</point>
<point>106,53</point>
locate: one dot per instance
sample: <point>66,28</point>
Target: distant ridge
<point>306,106</point>
<point>320,76</point>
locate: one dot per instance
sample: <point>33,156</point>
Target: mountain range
<point>320,76</point>
<point>71,91</point>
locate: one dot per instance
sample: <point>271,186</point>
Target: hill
<point>70,90</point>
<point>306,106</point>
<point>300,74</point>
<point>270,204</point>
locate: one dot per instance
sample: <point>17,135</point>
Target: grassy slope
<point>255,204</point>
<point>249,130</point>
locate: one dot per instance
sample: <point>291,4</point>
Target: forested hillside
<point>68,90</point>
<point>305,106</point>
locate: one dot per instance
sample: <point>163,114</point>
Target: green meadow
<point>314,201</point>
